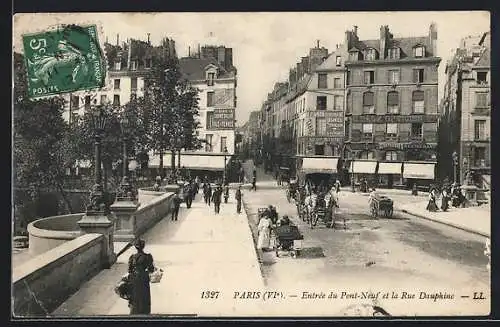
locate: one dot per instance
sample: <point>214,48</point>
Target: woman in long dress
<point>264,230</point>
<point>431,206</point>
<point>140,265</point>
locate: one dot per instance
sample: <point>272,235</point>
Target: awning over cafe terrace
<point>319,165</point>
<point>192,162</point>
<point>363,167</point>
<point>418,170</point>
<point>390,168</point>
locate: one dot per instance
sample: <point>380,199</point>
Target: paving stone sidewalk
<point>200,252</point>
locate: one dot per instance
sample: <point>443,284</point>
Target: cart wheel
<point>374,212</point>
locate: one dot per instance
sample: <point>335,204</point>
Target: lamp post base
<point>100,223</point>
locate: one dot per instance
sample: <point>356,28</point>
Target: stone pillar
<point>125,219</point>
<point>100,223</point>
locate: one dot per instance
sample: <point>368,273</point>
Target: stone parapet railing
<point>43,283</point>
<point>151,212</point>
<point>48,233</point>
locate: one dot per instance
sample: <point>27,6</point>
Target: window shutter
<point>415,75</point>
<point>356,132</point>
<point>368,99</point>
<point>379,132</point>
<point>404,132</point>
<point>392,99</point>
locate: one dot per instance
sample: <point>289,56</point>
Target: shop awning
<point>418,170</point>
<point>193,162</point>
<point>319,165</point>
<point>390,168</point>
<point>363,167</point>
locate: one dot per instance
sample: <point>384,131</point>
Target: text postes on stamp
<point>64,60</point>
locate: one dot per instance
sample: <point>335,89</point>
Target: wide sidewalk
<point>200,252</point>
<point>474,219</point>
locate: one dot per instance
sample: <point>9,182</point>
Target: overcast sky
<point>265,45</point>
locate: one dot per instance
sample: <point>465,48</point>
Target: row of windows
<point>418,102</point>
<point>209,146</point>
<point>133,83</point>
<point>322,102</point>
<point>323,81</point>
<point>392,53</point>
<point>134,64</point>
<point>393,77</point>
<point>75,101</point>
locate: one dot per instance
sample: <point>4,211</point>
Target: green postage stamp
<point>64,60</point>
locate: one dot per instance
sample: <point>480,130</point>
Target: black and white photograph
<point>251,164</point>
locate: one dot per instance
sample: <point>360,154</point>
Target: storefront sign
<point>374,119</point>
<point>221,119</point>
<point>405,146</point>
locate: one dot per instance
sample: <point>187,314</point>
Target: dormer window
<point>133,65</point>
<point>354,55</point>
<point>394,53</point>
<point>371,54</point>
<point>118,65</point>
<point>210,78</point>
<point>147,63</point>
<point>419,51</point>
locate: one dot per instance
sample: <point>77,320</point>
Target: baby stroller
<point>289,239</point>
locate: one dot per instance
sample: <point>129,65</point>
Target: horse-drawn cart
<point>381,205</point>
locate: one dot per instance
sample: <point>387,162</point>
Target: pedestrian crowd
<point>444,195</point>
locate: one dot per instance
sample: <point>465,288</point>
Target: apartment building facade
<point>466,112</point>
<point>128,64</point>
<point>392,107</point>
<point>211,71</point>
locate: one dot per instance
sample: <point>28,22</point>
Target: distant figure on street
<point>189,194</point>
<point>207,192</point>
<point>264,231</point>
<point>140,265</point>
<point>444,199</point>
<point>226,193</point>
<point>176,200</point>
<point>216,198</point>
<point>254,183</point>
<point>238,197</point>
<point>431,205</point>
<point>414,190</point>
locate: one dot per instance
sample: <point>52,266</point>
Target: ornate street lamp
<point>98,198</point>
<point>125,192</point>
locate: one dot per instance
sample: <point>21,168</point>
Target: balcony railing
<point>417,138</point>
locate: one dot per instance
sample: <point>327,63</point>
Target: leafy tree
<point>39,153</point>
<point>172,107</point>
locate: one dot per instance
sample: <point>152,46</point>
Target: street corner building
<point>392,108</point>
<point>466,113</point>
<point>369,106</point>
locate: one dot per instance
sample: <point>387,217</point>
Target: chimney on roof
<point>189,51</point>
<point>149,42</point>
<point>355,30</point>
<point>129,57</point>
<point>317,44</point>
<point>433,39</point>
<point>117,39</point>
<point>199,51</point>
<point>384,38</point>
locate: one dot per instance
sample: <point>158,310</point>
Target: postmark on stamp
<point>66,59</point>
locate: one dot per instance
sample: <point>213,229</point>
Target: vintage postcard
<point>259,164</point>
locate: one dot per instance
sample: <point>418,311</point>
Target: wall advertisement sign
<point>220,119</point>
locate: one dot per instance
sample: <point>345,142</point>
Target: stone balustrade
<point>48,233</point>
<point>41,284</point>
